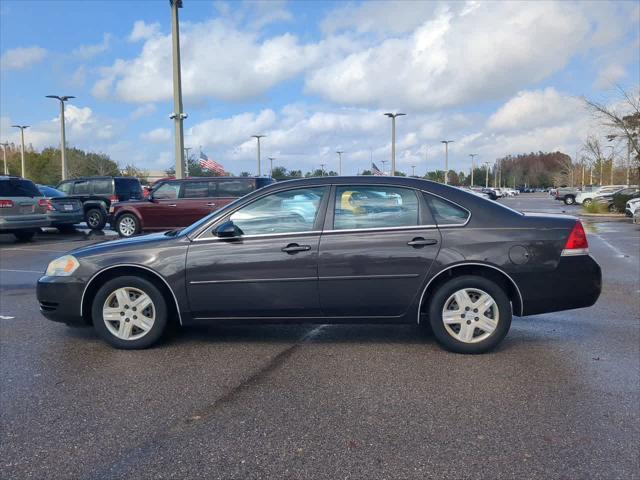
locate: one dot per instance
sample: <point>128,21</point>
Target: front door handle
<point>211,204</point>
<point>172,205</point>
<point>295,248</point>
<point>421,242</point>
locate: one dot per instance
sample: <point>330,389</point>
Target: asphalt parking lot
<point>558,399</point>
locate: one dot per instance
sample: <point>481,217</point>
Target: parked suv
<point>97,194</point>
<point>22,208</point>
<point>178,203</point>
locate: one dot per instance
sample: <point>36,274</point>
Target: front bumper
<point>59,299</point>
<point>575,283</point>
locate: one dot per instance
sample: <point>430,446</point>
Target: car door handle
<point>172,205</point>
<point>421,242</point>
<point>295,248</point>
<point>211,204</point>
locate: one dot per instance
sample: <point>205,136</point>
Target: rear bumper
<point>59,299</point>
<point>25,222</point>
<point>66,218</point>
<point>575,283</point>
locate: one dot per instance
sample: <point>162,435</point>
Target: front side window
<point>167,191</point>
<point>370,206</point>
<point>446,213</point>
<point>196,190</point>
<point>281,212</point>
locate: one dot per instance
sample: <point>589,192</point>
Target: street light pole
<point>271,159</point>
<point>322,169</point>
<point>21,127</point>
<point>393,116</point>
<point>258,137</point>
<point>473,156</point>
<point>4,156</point>
<point>178,115</point>
<point>446,160</point>
<point>63,140</point>
<point>611,159</point>
<point>186,161</point>
<point>413,170</point>
<point>383,164</point>
<point>486,180</point>
<point>340,152</point>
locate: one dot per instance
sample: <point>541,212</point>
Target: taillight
<point>43,202</point>
<point>113,198</point>
<point>577,243</point>
<point>6,204</point>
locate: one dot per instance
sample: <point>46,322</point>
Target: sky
<point>498,78</point>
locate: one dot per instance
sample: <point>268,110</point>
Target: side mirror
<point>227,230</point>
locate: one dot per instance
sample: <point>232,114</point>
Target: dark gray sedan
<point>333,250</point>
<point>63,212</point>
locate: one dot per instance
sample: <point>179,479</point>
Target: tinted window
<point>18,188</point>
<point>263,182</point>
<point>446,213</point>
<point>374,207</point>
<point>195,190</point>
<point>50,192</point>
<point>282,212</point>
<point>129,187</point>
<point>167,191</point>
<point>234,188</point>
<point>65,187</point>
<point>81,187</point>
<point>102,186</point>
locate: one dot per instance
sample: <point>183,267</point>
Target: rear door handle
<point>172,205</point>
<point>295,248</point>
<point>421,242</point>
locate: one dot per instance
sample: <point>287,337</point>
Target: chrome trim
<point>574,252</point>
<point>262,235</point>
<point>254,280</point>
<point>370,277</point>
<point>383,229</point>
<point>131,265</point>
<point>450,201</point>
<point>463,265</point>
<point>284,318</point>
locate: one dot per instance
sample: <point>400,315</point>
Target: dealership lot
<point>558,399</point>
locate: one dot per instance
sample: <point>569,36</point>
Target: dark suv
<point>99,193</point>
<point>178,203</point>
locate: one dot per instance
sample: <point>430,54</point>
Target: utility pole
<point>178,115</point>
<point>4,156</point>
<point>322,169</point>
<point>473,156</point>
<point>186,161</point>
<point>393,116</point>
<point>413,170</point>
<point>486,180</point>
<point>63,141</point>
<point>611,160</point>
<point>340,152</point>
<point>446,160</point>
<point>258,137</point>
<point>383,163</point>
<point>271,159</point>
<point>22,167</point>
<point>628,160</point>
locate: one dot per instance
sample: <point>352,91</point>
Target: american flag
<point>375,170</point>
<point>211,165</point>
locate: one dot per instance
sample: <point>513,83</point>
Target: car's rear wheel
<point>25,235</point>
<point>129,312</point>
<point>569,200</point>
<point>587,201</point>
<point>470,314</point>
<point>127,225</point>
<point>95,218</point>
<point>613,208</point>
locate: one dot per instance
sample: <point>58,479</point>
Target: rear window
<point>446,213</point>
<point>50,192</point>
<point>102,186</point>
<point>195,190</point>
<point>234,188</point>
<point>18,188</point>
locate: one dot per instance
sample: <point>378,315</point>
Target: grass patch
<point>595,207</point>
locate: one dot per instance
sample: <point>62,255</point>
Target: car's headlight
<point>63,266</point>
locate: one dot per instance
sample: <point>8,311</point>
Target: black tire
<point>442,294</point>
<point>127,216</point>
<point>613,209</point>
<point>25,235</point>
<point>159,304</point>
<point>587,201</point>
<point>569,200</point>
<point>95,218</point>
<point>66,228</point>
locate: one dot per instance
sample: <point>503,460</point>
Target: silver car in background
<point>23,211</point>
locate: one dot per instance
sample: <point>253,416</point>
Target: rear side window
<point>234,188</point>
<point>18,188</point>
<point>81,187</point>
<point>102,186</point>
<point>167,191</point>
<point>195,190</point>
<point>446,213</point>
<point>362,206</point>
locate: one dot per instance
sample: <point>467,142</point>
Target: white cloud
<point>87,52</point>
<point>609,76</point>
<point>143,31</point>
<point>21,58</point>
<point>157,135</point>
<point>143,111</point>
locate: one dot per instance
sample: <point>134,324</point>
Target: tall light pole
<point>4,156</point>
<point>21,127</point>
<point>473,156</point>
<point>271,159</point>
<point>446,160</point>
<point>178,115</point>
<point>63,140</point>
<point>186,161</point>
<point>258,137</point>
<point>486,180</point>
<point>413,170</point>
<point>384,162</point>
<point>322,169</point>
<point>340,152</point>
<point>611,157</point>
<point>393,116</point>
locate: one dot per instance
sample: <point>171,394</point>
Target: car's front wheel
<point>587,201</point>
<point>127,225</point>
<point>569,200</point>
<point>470,314</point>
<point>129,312</point>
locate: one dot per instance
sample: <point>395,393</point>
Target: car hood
<point>141,242</point>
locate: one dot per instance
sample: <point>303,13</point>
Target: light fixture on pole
<point>340,152</point>
<point>178,115</point>
<point>63,141</point>
<point>4,156</point>
<point>446,160</point>
<point>258,137</point>
<point>486,180</point>
<point>21,127</point>
<point>271,159</point>
<point>393,116</point>
<point>473,156</point>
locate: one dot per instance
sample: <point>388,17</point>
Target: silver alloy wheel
<point>470,315</point>
<point>127,226</point>
<point>129,313</point>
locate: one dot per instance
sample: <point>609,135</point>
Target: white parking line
<point>39,272</point>
<point>616,250</point>
<point>6,317</point>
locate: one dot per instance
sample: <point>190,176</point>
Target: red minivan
<point>178,203</point>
